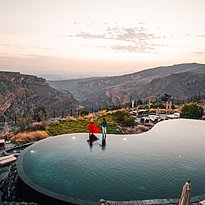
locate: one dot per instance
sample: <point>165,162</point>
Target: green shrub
<point>84,112</point>
<point>123,118</point>
<point>160,106</point>
<point>191,111</point>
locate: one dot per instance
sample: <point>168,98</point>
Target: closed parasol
<point>186,194</point>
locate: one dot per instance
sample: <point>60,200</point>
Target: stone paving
<point>194,201</point>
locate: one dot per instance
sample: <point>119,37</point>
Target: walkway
<point>194,201</point>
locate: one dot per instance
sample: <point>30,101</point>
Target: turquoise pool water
<point>150,165</point>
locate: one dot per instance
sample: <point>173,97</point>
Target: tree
<point>23,123</point>
<point>191,111</point>
<point>165,97</point>
<point>84,112</point>
<point>40,113</point>
<point>123,118</point>
<point>139,102</point>
<point>159,105</point>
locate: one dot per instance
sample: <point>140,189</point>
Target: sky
<point>80,38</point>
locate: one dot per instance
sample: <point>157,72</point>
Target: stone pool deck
<point>194,201</point>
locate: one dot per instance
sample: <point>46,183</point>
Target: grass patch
<point>80,125</point>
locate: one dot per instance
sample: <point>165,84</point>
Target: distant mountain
<point>70,76</point>
<point>167,70</point>
<point>146,84</point>
<point>178,85</point>
<point>21,94</point>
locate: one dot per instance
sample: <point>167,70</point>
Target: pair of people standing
<point>94,129</point>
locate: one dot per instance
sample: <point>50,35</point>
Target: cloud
<point>198,35</point>
<point>126,39</point>
<point>5,44</point>
<point>76,23</point>
<point>37,56</point>
<point>91,36</point>
<point>26,56</point>
<point>135,48</point>
<point>23,46</point>
<point>44,48</point>
<point>202,35</point>
<point>122,34</point>
<point>4,54</point>
<point>17,46</point>
<point>200,52</point>
<point>133,34</point>
<point>10,33</point>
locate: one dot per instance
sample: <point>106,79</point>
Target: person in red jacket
<point>92,129</point>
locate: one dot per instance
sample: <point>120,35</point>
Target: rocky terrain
<point>179,86</point>
<point>9,191</point>
<point>180,81</point>
<point>22,94</point>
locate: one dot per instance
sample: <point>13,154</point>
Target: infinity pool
<point>151,165</point>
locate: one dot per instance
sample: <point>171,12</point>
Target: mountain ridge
<point>103,91</point>
<point>21,94</point>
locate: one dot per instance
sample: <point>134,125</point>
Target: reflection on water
<point>103,143</point>
<point>93,140</point>
<point>151,165</point>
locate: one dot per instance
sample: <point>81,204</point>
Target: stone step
<point>2,142</point>
<point>7,159</point>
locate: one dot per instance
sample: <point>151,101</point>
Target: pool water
<point>150,165</point>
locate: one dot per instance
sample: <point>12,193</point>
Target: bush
<point>84,112</point>
<point>160,106</point>
<point>191,111</point>
<point>123,118</point>
<point>25,137</point>
<point>38,126</point>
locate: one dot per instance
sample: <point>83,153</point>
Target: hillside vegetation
<point>115,120</point>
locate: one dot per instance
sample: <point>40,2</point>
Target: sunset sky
<point>99,37</point>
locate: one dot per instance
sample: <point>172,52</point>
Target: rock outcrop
<point>9,188</point>
<point>22,94</point>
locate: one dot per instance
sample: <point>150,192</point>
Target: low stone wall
<point>8,185</point>
<point>194,201</point>
<point>11,194</point>
<point>18,203</point>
